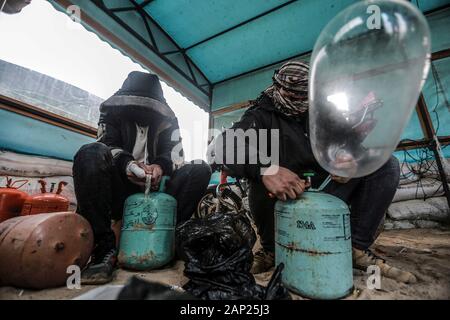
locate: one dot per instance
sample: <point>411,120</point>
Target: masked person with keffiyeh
<point>284,107</point>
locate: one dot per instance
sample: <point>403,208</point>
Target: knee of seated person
<point>391,169</point>
<point>92,153</point>
<point>201,169</point>
<point>392,166</point>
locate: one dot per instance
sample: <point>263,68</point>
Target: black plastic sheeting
<point>138,289</point>
<point>218,256</point>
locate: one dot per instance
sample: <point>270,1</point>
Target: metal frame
<point>25,109</point>
<point>205,87</point>
<point>202,84</point>
<point>431,139</point>
<point>241,24</point>
<point>430,136</point>
<point>233,107</point>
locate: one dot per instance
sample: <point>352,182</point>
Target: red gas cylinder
<point>46,202</point>
<point>36,251</point>
<point>11,199</point>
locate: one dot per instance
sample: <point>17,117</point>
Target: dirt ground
<point>425,252</point>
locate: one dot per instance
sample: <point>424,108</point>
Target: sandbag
<point>36,250</point>
<point>406,175</point>
<point>21,165</point>
<point>434,209</point>
<point>421,189</point>
<point>411,224</point>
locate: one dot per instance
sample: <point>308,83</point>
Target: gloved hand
<point>135,173</point>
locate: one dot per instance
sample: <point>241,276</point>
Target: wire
<point>423,165</point>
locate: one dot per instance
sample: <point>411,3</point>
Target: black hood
<point>140,99</point>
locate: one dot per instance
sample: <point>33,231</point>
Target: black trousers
<point>368,199</point>
<point>101,190</point>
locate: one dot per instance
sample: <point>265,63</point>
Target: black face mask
<point>142,116</point>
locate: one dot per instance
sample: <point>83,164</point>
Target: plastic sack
<point>218,256</point>
<point>367,70</point>
<point>139,289</point>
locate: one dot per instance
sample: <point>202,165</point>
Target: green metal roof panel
<point>284,33</point>
<point>191,21</point>
<point>440,30</point>
<point>427,5</point>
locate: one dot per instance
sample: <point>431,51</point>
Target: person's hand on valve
<point>137,172</point>
<point>283,184</point>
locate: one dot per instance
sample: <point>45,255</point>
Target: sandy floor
<point>425,252</point>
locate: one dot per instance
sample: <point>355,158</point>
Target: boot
<point>103,263</point>
<point>263,261</point>
<point>362,259</point>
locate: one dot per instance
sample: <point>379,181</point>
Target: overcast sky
<point>45,40</point>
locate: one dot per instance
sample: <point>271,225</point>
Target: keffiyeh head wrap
<point>292,77</point>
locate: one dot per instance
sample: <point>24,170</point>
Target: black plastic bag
<point>139,289</point>
<point>218,256</point>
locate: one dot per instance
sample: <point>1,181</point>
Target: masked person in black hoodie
<point>137,136</point>
<point>284,107</point>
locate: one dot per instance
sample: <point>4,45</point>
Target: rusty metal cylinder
<point>148,232</point>
<point>35,251</point>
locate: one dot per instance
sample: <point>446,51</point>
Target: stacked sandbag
<point>420,200</point>
<point>418,213</point>
<point>21,165</point>
<point>420,189</point>
<point>34,168</point>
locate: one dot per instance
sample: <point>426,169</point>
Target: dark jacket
<point>139,101</point>
<point>295,151</point>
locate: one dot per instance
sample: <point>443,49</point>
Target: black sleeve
<point>109,133</point>
<point>248,169</point>
<point>169,151</point>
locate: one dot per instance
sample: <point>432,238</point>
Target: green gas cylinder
<point>148,230</point>
<point>313,240</point>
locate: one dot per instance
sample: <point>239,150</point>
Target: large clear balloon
<point>367,70</point>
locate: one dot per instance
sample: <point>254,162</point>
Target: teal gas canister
<point>147,238</point>
<point>313,241</point>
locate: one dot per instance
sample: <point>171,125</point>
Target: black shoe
<point>100,269</point>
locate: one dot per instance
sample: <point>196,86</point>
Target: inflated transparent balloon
<point>367,70</point>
